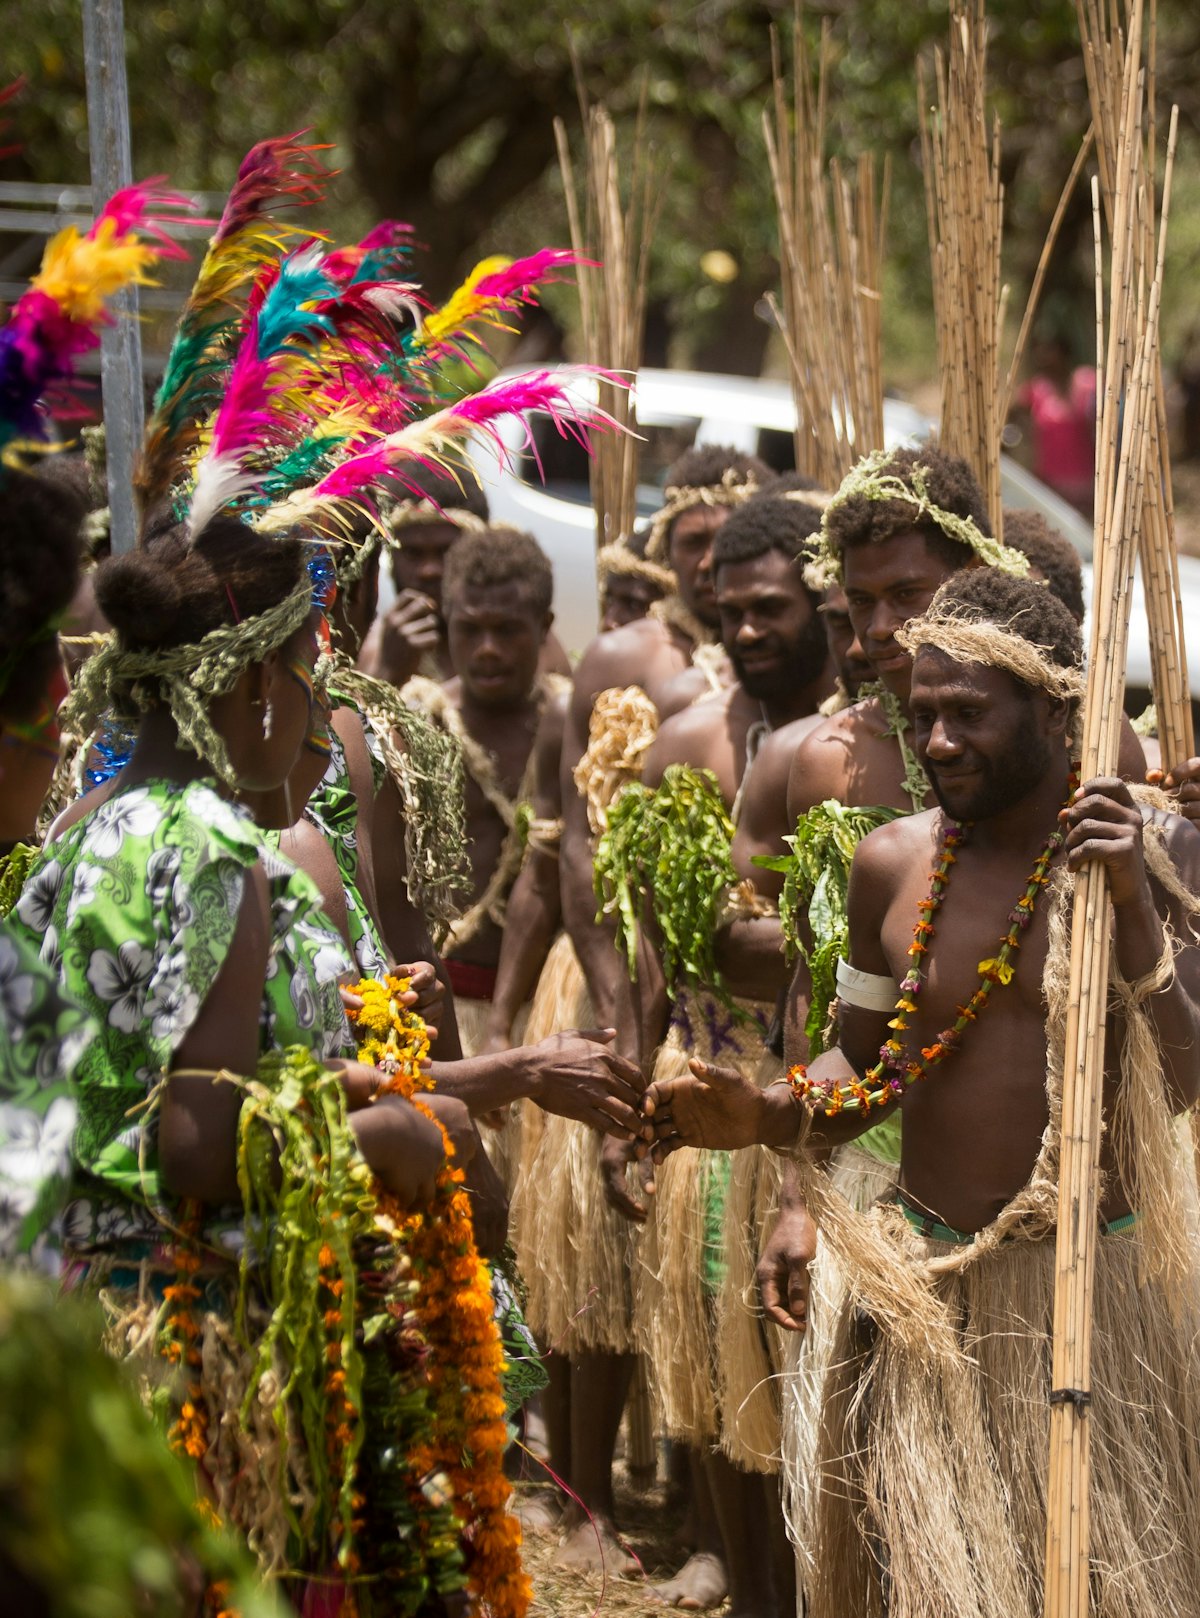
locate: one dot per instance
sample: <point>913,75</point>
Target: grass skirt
<point>675,1289</point>
<point>750,1351</point>
<point>861,1180</point>
<point>573,1249</point>
<point>932,1466</point>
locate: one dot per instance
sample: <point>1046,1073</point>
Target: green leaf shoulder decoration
<point>812,907</point>
<point>669,848</point>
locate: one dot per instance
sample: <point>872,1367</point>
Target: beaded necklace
<point>895,1072</point>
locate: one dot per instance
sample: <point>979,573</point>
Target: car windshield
<point>564,462</point>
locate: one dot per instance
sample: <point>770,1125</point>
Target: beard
<point>805,660</point>
<point>1002,780</point>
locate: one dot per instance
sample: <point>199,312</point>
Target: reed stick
<point>1104,47</point>
<point>831,244</point>
<point>1127,465</point>
<point>964,199</point>
<point>611,226</point>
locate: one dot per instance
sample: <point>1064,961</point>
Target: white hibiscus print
<point>18,990</point>
<point>129,814</point>
<point>84,891</point>
<point>303,1001</point>
<point>329,957</point>
<point>37,903</point>
<point>161,870</point>
<point>172,1005</point>
<point>121,980</point>
<point>33,1150</point>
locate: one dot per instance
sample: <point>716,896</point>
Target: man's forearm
<point>749,956</point>
<point>594,941</point>
<point>483,1083</point>
<point>534,909</point>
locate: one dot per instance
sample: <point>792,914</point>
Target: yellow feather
<point>80,272</point>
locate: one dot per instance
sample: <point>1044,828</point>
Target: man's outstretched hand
<point>715,1108</point>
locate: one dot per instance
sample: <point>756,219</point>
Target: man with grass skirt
<point>573,1247</point>
<point>931,1471</point>
<point>669,840</point>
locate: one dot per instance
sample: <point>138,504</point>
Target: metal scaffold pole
<point>121,342</point>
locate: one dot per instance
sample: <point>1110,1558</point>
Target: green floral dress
<point>134,910</point>
<point>44,1036</point>
<point>333,810</point>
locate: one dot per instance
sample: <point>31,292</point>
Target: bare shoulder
<point>901,839</point>
<point>680,691</point>
<point>686,737</point>
<point>822,761</point>
<point>636,654</point>
<point>1180,840</point>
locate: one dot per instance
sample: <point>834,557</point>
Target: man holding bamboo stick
<point>931,1473</point>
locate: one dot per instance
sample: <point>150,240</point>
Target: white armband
<point>870,991</point>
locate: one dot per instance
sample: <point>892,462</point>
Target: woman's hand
<point>404,1150</point>
<point>360,1082</point>
<point>426,993</point>
<point>577,1075</point>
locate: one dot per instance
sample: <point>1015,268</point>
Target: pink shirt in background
<point>1064,433</point>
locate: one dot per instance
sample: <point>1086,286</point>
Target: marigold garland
<point>894,1073</point>
<point>454,1309</point>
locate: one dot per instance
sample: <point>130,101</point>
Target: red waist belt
<point>469,981</point>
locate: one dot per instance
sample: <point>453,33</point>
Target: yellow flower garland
<point>454,1309</point>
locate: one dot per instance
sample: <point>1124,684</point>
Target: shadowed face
<point>420,561</point>
<point>985,739</point>
<point>770,626</point>
<point>849,661</point>
<point>627,597</point>
<point>495,639</point>
<point>887,583</point>
<point>690,554</point>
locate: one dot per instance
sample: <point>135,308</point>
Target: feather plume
<point>60,316</point>
<point>276,173</point>
<point>563,395</point>
<point>496,287</point>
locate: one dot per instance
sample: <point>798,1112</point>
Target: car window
<point>565,463</point>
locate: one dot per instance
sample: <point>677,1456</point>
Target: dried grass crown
<point>959,631</point>
<point>873,479</point>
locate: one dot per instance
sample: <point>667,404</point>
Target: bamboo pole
<point>964,200</point>
<point>1127,467</point>
<point>614,233</point>
<point>832,231</point>
<point>1104,48</point>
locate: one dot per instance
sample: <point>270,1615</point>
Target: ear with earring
<point>268,717</point>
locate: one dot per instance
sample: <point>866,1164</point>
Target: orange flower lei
<point>179,1343</point>
<point>454,1310</point>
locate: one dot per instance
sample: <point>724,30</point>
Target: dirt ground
<point>652,1526</point>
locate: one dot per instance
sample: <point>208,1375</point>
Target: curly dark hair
<point>171,593</point>
<point>950,484</point>
<point>497,557</point>
<point>40,550</point>
<point>462,493</point>
<point>1023,607</point>
<point>705,465</point>
<point>1052,553</point>
<point>794,483</point>
<point>767,522</point>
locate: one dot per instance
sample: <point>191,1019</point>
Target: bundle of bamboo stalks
<point>964,199</point>
<point>1105,61</point>
<point>1128,467</point>
<point>614,235</point>
<point>831,241</point>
